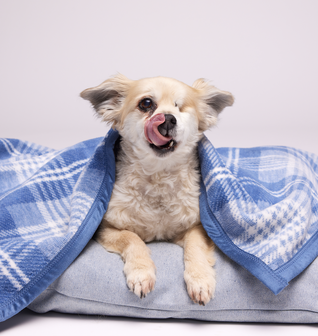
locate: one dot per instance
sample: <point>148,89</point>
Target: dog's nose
<point>168,125</point>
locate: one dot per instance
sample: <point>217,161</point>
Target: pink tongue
<point>151,130</point>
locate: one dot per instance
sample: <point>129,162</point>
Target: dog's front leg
<point>198,261</point>
<point>139,269</point>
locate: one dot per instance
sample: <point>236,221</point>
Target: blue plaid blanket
<point>259,206</point>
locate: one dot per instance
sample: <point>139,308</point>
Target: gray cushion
<point>95,284</point>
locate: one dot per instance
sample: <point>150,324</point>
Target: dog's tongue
<point>151,130</point>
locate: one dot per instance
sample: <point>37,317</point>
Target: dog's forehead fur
<point>162,90</point>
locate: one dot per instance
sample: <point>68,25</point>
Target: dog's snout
<point>170,120</point>
<point>169,124</point>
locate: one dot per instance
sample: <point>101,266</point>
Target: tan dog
<point>156,192</point>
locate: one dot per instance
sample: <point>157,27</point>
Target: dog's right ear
<point>108,98</point>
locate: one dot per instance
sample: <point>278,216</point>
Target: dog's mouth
<point>158,142</point>
<point>168,147</point>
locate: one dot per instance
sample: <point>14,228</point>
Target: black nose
<point>168,125</point>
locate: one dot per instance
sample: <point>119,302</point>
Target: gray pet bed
<point>95,284</point>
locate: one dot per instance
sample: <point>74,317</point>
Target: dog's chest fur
<point>159,206</point>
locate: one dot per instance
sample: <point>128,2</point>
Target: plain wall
<point>264,52</point>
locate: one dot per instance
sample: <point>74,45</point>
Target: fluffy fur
<point>156,192</point>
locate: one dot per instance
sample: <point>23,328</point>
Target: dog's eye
<point>146,104</point>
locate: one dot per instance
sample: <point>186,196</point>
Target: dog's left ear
<point>212,101</point>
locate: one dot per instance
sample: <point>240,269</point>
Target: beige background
<point>264,52</point>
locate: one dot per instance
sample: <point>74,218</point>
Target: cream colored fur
<point>156,197</point>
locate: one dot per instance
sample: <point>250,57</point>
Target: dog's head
<point>158,115</point>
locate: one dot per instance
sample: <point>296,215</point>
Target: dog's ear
<point>211,102</point>
<point>108,98</point>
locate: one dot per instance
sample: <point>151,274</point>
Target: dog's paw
<point>200,285</point>
<point>141,277</point>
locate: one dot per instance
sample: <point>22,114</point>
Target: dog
<point>156,193</point>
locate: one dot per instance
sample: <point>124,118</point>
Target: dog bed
<point>259,206</point>
<point>95,284</point>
